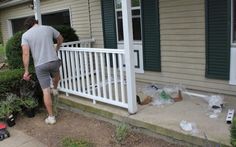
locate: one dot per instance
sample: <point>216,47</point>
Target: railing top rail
<point>78,42</point>
<point>97,50</point>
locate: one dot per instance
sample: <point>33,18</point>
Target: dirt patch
<point>70,124</point>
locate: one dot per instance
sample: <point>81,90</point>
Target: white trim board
<point>232,79</point>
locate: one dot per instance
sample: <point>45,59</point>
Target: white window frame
<point>9,28</point>
<point>132,8</point>
<point>60,10</point>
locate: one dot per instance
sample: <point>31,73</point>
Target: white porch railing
<point>98,73</point>
<point>82,43</point>
<point>94,73</point>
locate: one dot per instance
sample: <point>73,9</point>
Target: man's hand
<point>26,76</point>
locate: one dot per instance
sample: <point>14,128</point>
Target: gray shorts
<point>46,71</point>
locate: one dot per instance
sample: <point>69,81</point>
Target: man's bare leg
<point>48,100</point>
<point>48,103</point>
<point>56,80</point>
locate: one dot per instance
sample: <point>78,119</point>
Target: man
<point>39,40</point>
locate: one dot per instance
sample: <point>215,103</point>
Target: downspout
<point>90,22</point>
<point>37,12</point>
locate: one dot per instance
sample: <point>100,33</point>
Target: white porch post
<point>128,46</point>
<point>37,12</point>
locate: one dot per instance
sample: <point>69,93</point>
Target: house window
<point>55,18</point>
<point>234,21</point>
<point>136,20</point>
<point>18,24</point>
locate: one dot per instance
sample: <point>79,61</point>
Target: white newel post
<point>129,62</point>
<point>37,12</point>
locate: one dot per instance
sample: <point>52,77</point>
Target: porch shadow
<point>164,121</point>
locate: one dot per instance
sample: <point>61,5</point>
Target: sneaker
<point>50,120</point>
<point>54,92</point>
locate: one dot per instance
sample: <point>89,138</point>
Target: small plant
<point>121,133</point>
<point>14,101</point>
<point>69,142</point>
<point>9,108</point>
<point>29,102</point>
<point>5,109</point>
<point>233,133</point>
<point>9,105</point>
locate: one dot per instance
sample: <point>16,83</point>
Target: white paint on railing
<point>78,69</point>
<point>103,75</point>
<point>82,71</point>
<point>97,75</point>
<point>94,73</point>
<point>109,75</point>
<point>82,43</point>
<point>121,78</point>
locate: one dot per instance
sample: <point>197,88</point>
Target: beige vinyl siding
<point>96,22</point>
<point>79,14</point>
<point>12,13</point>
<point>182,29</point>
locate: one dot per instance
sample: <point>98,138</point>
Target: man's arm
<point>60,40</point>
<point>25,58</point>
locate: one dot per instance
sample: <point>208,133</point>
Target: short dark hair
<point>29,22</point>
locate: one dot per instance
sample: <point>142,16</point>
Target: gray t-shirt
<point>39,38</point>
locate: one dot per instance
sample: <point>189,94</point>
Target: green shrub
<point>8,79</point>
<point>233,133</point>
<point>67,32</point>
<point>14,51</point>
<point>2,53</point>
<point>1,40</point>
<point>10,82</point>
<point>69,142</point>
<point>1,49</point>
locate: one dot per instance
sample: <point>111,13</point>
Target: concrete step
<point>140,122</point>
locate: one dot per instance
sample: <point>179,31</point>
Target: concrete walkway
<point>19,139</point>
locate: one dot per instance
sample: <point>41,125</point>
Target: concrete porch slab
<point>165,120</point>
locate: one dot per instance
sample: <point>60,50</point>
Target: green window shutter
<point>151,35</point>
<point>218,39</point>
<point>109,23</point>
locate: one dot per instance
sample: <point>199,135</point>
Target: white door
<point>137,56</point>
